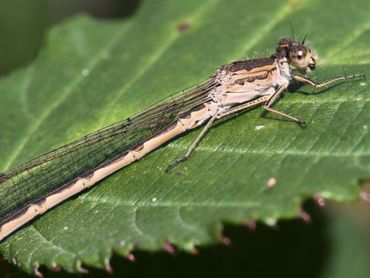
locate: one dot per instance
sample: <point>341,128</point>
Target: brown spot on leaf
<point>182,27</point>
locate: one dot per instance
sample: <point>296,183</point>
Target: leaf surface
<point>93,73</point>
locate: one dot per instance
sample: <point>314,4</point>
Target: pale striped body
<point>234,87</point>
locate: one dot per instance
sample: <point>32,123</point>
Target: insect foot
<point>302,123</point>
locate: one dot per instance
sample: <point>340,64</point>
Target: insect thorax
<point>243,81</point>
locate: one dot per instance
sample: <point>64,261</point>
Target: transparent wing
<point>37,178</point>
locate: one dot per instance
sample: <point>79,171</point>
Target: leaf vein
<point>50,243</point>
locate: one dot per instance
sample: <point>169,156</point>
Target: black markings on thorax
<point>249,64</point>
<point>251,79</point>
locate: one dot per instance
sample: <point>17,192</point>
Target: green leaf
<point>93,73</point>
<point>321,248</point>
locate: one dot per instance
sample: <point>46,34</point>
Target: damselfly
<point>40,184</point>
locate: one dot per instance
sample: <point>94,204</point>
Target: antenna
<point>304,38</point>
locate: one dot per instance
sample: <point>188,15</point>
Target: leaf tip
<point>108,267</point>
<point>37,271</point>
<point>194,251</point>
<point>271,222</point>
<point>130,257</point>
<point>365,196</point>
<point>169,248</point>
<point>225,241</point>
<point>80,268</point>
<point>250,225</point>
<point>305,216</point>
<point>319,200</point>
<point>56,267</point>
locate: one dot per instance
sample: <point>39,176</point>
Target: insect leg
<point>327,82</point>
<point>273,99</point>
<point>194,144</point>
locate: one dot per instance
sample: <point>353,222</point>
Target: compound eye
<point>299,54</point>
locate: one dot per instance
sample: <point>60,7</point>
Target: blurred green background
<point>24,24</point>
<point>335,244</point>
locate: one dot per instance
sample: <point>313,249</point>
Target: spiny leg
<point>326,82</point>
<point>209,123</point>
<point>193,145</point>
<point>273,99</point>
<point>300,122</point>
